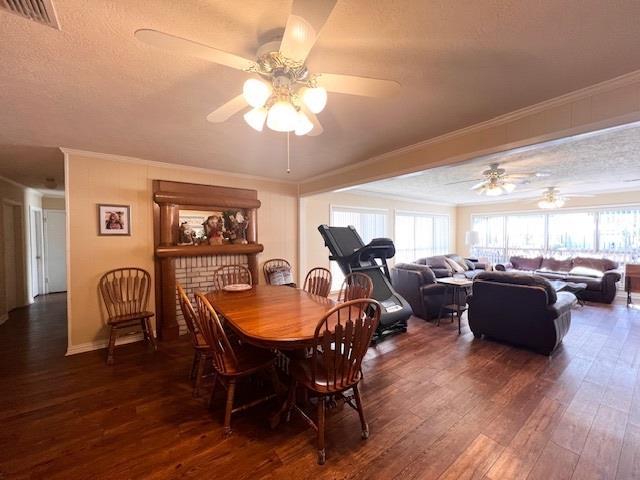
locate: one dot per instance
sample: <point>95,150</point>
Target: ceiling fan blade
<point>464,181</point>
<point>303,27</point>
<point>317,126</point>
<point>352,85</point>
<point>479,185</point>
<point>183,46</point>
<point>578,196</point>
<point>227,110</point>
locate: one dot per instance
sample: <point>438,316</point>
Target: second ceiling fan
<point>283,93</point>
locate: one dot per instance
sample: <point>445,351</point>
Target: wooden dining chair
<point>273,265</point>
<point>340,342</point>
<point>318,282</point>
<point>232,360</point>
<point>356,285</point>
<point>200,346</point>
<point>125,293</point>
<point>232,274</point>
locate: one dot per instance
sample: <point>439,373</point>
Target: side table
<point>454,285</point>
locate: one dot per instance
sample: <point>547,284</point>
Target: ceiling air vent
<point>40,11</point>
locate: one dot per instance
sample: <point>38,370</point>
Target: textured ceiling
<point>31,166</point>
<point>598,162</point>
<point>93,86</point>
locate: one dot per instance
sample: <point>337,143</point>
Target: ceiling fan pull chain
<point>288,158</point>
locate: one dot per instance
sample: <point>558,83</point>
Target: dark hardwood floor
<point>439,405</point>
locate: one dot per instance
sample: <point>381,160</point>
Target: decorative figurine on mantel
<point>214,229</point>
<point>187,235</point>
<point>237,226</point>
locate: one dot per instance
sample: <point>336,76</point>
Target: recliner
<point>521,309</point>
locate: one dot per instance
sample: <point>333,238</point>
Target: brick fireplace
<point>195,274</point>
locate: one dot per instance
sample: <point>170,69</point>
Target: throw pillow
<point>280,275</point>
<point>439,261</point>
<point>460,261</point>
<point>586,272</point>
<point>455,266</point>
<point>602,264</point>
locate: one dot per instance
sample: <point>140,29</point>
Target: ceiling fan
<point>552,198</point>
<point>496,181</point>
<point>282,92</point>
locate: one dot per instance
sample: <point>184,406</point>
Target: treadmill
<point>350,252</point>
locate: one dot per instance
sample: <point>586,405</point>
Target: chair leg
<point>149,332</point>
<point>213,390</point>
<point>291,400</point>
<point>363,422</point>
<point>321,412</point>
<point>112,345</point>
<point>275,381</point>
<point>231,390</point>
<point>199,374</point>
<point>194,365</point>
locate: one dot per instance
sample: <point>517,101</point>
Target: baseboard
<point>99,344</point>
<point>3,318</point>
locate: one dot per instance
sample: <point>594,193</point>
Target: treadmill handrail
<point>367,250</point>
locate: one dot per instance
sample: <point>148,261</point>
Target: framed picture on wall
<point>114,219</point>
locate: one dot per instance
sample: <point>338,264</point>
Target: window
<point>420,235</point>
<point>619,230</point>
<point>525,233</point>
<point>369,223</point>
<point>613,233</point>
<point>569,232</point>
<point>492,239</point>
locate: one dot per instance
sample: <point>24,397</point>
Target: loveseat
<point>416,282</point>
<point>599,274</point>
<point>521,309</point>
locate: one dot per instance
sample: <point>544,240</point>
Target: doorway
<point>55,251</point>
<point>36,252</point>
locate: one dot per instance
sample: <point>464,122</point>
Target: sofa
<point>451,265</point>
<point>599,274</point>
<point>521,309</point>
<point>416,282</point>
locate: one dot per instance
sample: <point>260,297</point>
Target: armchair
<point>417,284</point>
<point>521,309</point>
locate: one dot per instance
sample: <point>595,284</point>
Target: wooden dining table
<point>270,316</point>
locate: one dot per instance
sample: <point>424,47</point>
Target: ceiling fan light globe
<point>256,117</point>
<point>509,187</point>
<point>494,191</point>
<point>315,99</point>
<point>303,124</point>
<point>256,93</point>
<point>282,117</point>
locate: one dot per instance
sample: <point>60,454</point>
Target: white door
<point>55,251</point>
<point>10,264</point>
<point>37,267</point>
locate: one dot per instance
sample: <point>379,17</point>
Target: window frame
<point>397,212</point>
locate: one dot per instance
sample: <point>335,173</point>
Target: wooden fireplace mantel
<point>171,197</point>
<point>201,250</point>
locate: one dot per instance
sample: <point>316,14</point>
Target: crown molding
<point>605,86</point>
<point>153,163</point>
<point>14,183</point>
